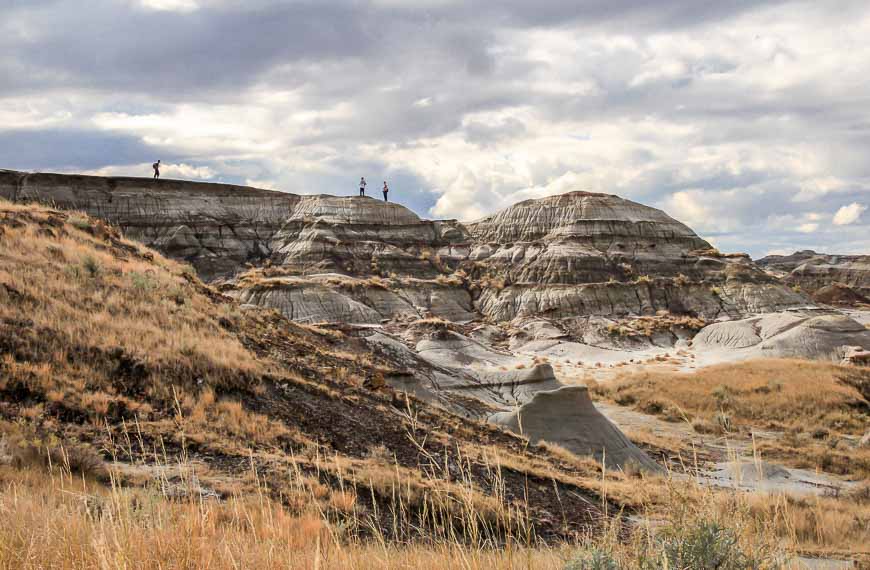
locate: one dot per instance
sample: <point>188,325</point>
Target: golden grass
<point>821,407</point>
<point>58,521</point>
<point>76,295</point>
<point>759,393</point>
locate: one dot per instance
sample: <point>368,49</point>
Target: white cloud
<point>171,5</point>
<point>849,214</point>
<point>808,228</point>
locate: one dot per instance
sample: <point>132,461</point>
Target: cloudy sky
<point>750,121</point>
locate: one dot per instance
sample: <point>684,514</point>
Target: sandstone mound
<point>786,335</point>
<point>568,418</point>
<point>582,214</point>
<point>581,237</point>
<point>837,294</point>
<point>352,210</point>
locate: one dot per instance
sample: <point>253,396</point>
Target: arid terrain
<point>206,376</point>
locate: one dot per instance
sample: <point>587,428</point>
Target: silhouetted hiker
<point>362,186</point>
<point>156,167</point>
<point>386,190</point>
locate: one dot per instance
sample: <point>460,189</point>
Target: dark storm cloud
<point>63,149</point>
<point>109,45</point>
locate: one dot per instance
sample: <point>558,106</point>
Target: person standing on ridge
<point>156,167</point>
<point>386,190</point>
<point>362,186</point>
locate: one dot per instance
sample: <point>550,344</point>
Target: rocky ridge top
<point>812,271</point>
<point>565,256</point>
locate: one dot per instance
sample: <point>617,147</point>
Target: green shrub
<point>142,281</point>
<point>593,560</point>
<point>704,546</point>
<point>92,266</point>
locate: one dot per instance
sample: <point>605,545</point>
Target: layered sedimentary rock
<point>581,237</point>
<point>221,228</point>
<point>576,254</point>
<point>793,334</point>
<point>561,269</point>
<point>813,271</point>
<point>216,227</point>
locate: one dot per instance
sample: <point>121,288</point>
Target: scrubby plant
<point>594,559</point>
<point>142,281</point>
<point>79,221</point>
<point>705,545</point>
<point>92,266</point>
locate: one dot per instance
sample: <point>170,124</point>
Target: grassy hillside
<point>109,352</point>
<point>149,422</point>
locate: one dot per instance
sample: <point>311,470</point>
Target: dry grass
<point>817,525</point>
<point>648,326</point>
<point>57,521</point>
<point>76,295</point>
<point>782,394</point>
<point>821,407</point>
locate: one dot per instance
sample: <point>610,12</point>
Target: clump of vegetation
<point>648,326</point>
<point>681,280</point>
<point>79,221</point>
<point>497,283</point>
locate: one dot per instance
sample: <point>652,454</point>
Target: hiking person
<point>386,190</point>
<point>156,167</point>
<point>362,186</point>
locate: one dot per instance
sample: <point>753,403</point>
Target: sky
<point>748,121</point>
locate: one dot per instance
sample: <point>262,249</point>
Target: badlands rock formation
<point>799,334</point>
<point>813,271</point>
<point>567,417</point>
<point>471,310</point>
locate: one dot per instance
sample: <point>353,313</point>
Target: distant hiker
<point>156,167</point>
<point>386,190</point>
<point>362,186</point>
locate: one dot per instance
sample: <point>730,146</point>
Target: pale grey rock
<point>342,299</point>
<point>568,418</point>
<point>624,299</point>
<point>856,356</point>
<point>784,335</point>
<point>310,303</point>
